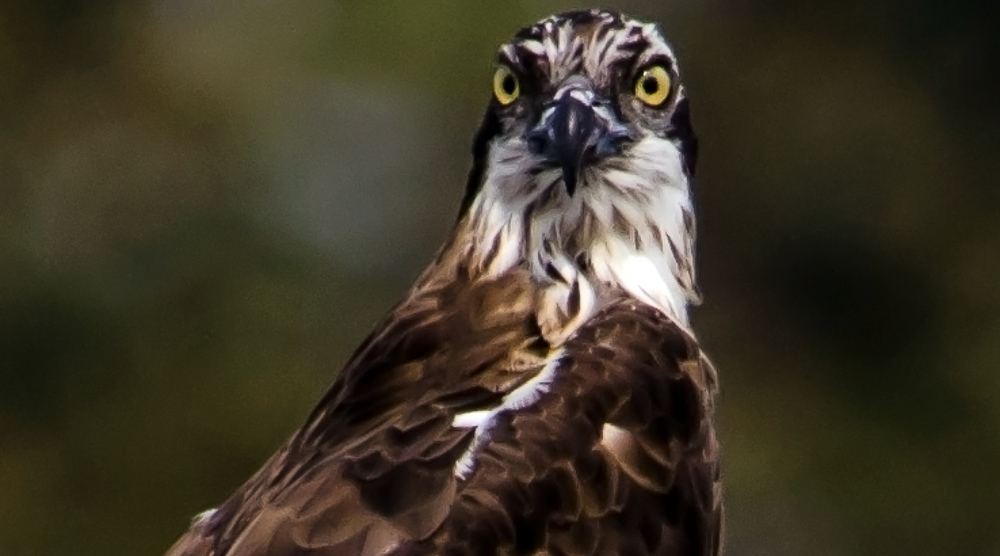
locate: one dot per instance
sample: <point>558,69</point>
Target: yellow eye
<point>505,85</point>
<point>653,86</point>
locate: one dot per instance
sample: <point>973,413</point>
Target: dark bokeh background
<point>204,206</point>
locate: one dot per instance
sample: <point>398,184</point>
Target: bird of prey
<point>539,389</point>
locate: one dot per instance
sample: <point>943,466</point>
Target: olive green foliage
<point>204,206</point>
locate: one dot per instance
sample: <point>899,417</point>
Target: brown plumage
<point>528,396</point>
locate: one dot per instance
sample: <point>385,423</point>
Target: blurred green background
<point>206,204</point>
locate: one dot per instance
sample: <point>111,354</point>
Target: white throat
<point>629,227</point>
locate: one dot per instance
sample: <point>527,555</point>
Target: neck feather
<point>629,228</point>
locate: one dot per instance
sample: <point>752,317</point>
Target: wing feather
<point>618,456</point>
<point>557,484</point>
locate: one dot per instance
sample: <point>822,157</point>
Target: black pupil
<point>509,84</point>
<point>650,85</point>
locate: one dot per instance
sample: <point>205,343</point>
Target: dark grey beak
<point>571,134</point>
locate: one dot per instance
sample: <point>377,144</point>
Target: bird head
<point>578,92</point>
<point>586,150</point>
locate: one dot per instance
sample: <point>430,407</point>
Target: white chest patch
<point>629,227</point>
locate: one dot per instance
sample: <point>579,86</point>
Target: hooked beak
<point>573,132</point>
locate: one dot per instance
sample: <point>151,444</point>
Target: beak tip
<point>570,180</point>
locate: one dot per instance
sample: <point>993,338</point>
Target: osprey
<point>539,389</point>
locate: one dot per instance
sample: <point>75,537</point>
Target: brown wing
<point>619,457</point>
<point>374,462</point>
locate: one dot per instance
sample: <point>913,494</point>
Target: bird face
<point>583,93</point>
<point>584,160</point>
